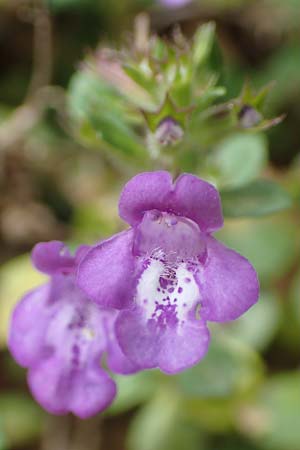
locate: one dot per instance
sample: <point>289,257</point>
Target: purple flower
<point>60,336</point>
<point>167,273</point>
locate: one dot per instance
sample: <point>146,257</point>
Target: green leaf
<point>3,442</point>
<point>117,134</point>
<point>158,426</point>
<point>239,159</point>
<point>148,83</point>
<point>290,330</point>
<point>229,368</point>
<point>277,410</point>
<point>100,115</point>
<point>203,42</point>
<point>20,418</point>
<point>259,198</point>
<point>258,327</point>
<point>268,243</point>
<point>132,391</point>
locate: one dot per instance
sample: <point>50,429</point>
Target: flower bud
<point>249,117</point>
<point>168,132</point>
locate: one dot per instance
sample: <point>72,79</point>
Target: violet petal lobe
<point>228,283</point>
<point>199,201</point>
<point>139,341</point>
<point>172,350</point>
<point>184,348</point>
<point>84,393</point>
<point>117,362</point>
<point>52,257</point>
<point>27,327</point>
<point>106,274</point>
<point>145,191</point>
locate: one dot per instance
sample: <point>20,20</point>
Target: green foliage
<point>259,198</point>
<point>20,419</point>
<point>238,160</point>
<point>102,116</point>
<point>158,426</point>
<point>277,405</point>
<point>133,390</point>
<point>258,327</point>
<point>271,244</point>
<point>240,367</point>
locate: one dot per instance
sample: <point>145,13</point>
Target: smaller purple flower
<point>167,273</point>
<point>60,336</point>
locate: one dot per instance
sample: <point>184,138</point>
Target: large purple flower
<point>60,336</point>
<point>167,273</point>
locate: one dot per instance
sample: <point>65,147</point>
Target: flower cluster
<point>143,297</point>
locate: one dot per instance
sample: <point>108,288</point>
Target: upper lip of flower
<point>188,196</point>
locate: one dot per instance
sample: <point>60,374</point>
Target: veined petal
<point>228,283</point>
<point>84,392</point>
<point>107,273</point>
<point>199,201</point>
<point>52,257</point>
<point>164,319</point>
<point>27,328</point>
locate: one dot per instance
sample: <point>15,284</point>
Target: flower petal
<point>94,392</point>
<point>172,350</point>
<point>52,257</point>
<point>189,197</point>
<point>182,350</point>
<point>29,321</point>
<point>116,360</point>
<point>106,273</point>
<point>228,283</point>
<point>139,341</point>
<point>84,393</point>
<point>162,330</point>
<point>199,201</point>
<point>145,191</point>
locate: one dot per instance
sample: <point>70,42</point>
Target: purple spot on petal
<point>180,290</point>
<point>75,349</point>
<point>187,280</point>
<point>163,283</point>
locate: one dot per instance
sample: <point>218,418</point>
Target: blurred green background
<point>62,181</point>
